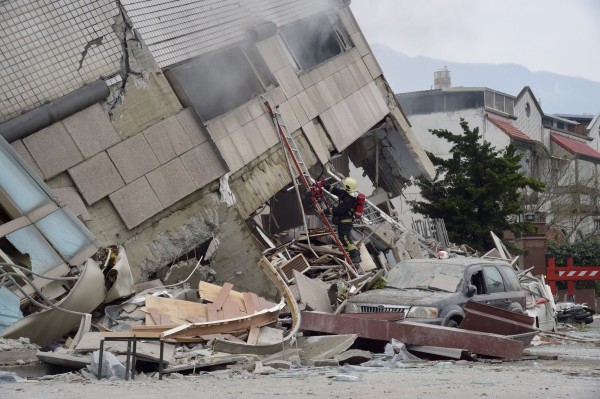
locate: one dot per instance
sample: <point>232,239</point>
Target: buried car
<point>434,291</point>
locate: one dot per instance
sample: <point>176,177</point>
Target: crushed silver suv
<point>434,291</point>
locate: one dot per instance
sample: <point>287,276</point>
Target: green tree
<point>476,190</point>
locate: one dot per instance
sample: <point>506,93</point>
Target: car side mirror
<point>471,290</point>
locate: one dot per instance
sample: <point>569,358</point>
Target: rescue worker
<point>343,214</point>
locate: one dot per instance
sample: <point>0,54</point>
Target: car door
<point>496,288</point>
<point>475,276</point>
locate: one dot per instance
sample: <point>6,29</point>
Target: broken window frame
<point>337,30</point>
<point>34,216</point>
<point>254,65</point>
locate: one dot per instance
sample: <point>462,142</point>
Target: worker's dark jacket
<point>344,211</point>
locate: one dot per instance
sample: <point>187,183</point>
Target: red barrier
<point>570,273</point>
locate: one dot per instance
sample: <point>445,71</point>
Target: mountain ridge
<point>556,93</point>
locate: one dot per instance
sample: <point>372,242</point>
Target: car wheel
<point>451,323</point>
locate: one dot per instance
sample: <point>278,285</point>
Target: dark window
<point>216,83</point>
<point>493,280</point>
<point>315,40</point>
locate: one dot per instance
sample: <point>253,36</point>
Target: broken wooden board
<point>210,292</point>
<point>177,310</point>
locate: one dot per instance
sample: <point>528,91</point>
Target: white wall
<point>530,125</point>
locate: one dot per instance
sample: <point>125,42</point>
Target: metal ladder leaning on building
<point>295,161</point>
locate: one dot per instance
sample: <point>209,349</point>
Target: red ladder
<point>303,175</point>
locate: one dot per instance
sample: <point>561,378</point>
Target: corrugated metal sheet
<point>178,30</point>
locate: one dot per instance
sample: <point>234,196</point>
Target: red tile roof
<point>575,147</point>
<point>510,130</point>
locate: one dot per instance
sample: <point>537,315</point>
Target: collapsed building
<point>125,124</point>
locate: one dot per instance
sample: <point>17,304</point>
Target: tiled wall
<point>51,48</point>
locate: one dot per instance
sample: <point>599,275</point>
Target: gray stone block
<point>203,165</point>
<point>288,116</point>
<point>255,137</point>
<point>53,150</point>
<point>360,43</point>
<point>91,130</point>
<point>242,144</point>
<point>96,178</point>
<point>289,81</point>
<point>217,130</point>
<point>133,158</point>
<point>192,127</point>
<point>298,110</point>
<point>136,202</point>
<point>372,65</point>
<point>70,197</point>
<point>264,125</point>
<point>19,147</point>
<point>159,138</point>
<point>171,182</point>
<point>230,154</point>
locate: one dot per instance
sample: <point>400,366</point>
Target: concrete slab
<point>372,65</point>
<point>325,346</point>
<point>136,202</point>
<point>265,126</point>
<point>203,165</point>
<point>269,336</point>
<point>71,198</point>
<point>254,135</point>
<point>133,157</point>
<point>158,137</point>
<point>360,43</point>
<point>315,141</point>
<point>171,182</point>
<point>91,130</point>
<point>313,293</point>
<point>288,116</point>
<point>354,356</point>
<point>242,144</point>
<point>217,129</point>
<point>64,360</point>
<point>20,148</point>
<point>230,154</point>
<point>289,81</point>
<point>307,104</point>
<point>272,53</point>
<point>306,80</point>
<point>96,178</point>
<point>195,132</point>
<point>53,150</point>
<point>298,110</point>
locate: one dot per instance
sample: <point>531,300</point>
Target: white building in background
<point>560,150</point>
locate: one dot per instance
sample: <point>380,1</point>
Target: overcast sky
<point>559,36</point>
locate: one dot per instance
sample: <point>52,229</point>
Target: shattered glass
<point>19,185</point>
<point>64,233</point>
<point>28,240</point>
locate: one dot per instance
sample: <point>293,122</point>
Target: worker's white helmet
<point>349,184</point>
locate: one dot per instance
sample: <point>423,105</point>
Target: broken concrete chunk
<point>354,356</point>
<point>323,363</point>
<point>325,347</point>
<point>111,367</point>
<point>278,364</point>
<point>313,293</point>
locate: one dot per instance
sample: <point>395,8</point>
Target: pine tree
<point>476,190</point>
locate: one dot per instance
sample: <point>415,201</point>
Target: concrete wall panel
<point>91,130</point>
<point>136,202</point>
<point>96,178</point>
<point>203,165</point>
<point>133,158</point>
<point>171,182</point>
<point>53,150</point>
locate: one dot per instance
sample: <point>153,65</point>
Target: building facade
<point>147,121</point>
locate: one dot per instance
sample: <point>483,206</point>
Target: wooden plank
<point>213,313</point>
<point>152,317</point>
<point>230,310</point>
<point>253,336</point>
<point>196,319</point>
<point>209,292</point>
<point>223,294</point>
<point>176,310</point>
<point>251,302</point>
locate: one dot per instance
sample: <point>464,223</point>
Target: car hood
<point>391,296</point>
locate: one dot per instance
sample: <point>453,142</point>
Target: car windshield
<point>428,276</point>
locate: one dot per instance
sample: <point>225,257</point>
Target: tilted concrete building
<point>139,115</point>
